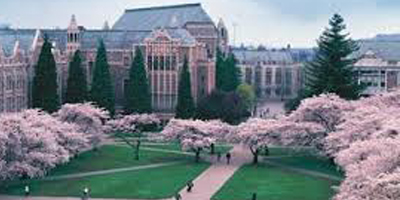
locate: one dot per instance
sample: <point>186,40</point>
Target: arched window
<point>222,32</point>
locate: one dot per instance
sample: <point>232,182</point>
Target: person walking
<point>27,191</point>
<point>228,158</point>
<point>178,196</point>
<point>254,196</point>
<point>190,186</point>
<point>85,193</point>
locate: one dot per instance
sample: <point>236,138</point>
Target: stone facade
<point>170,34</point>
<point>13,81</point>
<point>275,74</point>
<point>379,75</point>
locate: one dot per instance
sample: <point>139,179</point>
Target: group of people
<point>264,113</point>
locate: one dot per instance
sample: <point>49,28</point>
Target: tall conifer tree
<point>332,69</point>
<point>185,108</point>
<point>102,89</point>
<point>137,93</point>
<point>44,87</point>
<point>227,72</point>
<point>76,83</point>
<point>232,76</point>
<point>220,70</point>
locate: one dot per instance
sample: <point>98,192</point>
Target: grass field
<point>147,183</point>
<point>111,156</point>
<point>271,183</point>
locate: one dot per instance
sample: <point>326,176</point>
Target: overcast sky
<point>272,23</point>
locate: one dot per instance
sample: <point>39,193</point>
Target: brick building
<point>164,34</point>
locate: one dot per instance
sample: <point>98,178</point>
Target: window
<point>278,76</point>
<point>9,82</point>
<point>162,63</point>
<point>288,77</point>
<point>149,61</point>
<point>9,103</point>
<point>248,76</point>
<point>1,105</point>
<point>126,60</point>
<point>155,64</point>
<point>268,76</point>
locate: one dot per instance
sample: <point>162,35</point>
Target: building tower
<point>73,37</point>
<point>223,37</point>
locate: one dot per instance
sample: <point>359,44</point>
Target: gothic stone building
<point>275,74</point>
<point>164,34</point>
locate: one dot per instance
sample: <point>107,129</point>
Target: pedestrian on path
<point>254,196</point>
<point>85,193</point>
<point>190,186</point>
<point>219,156</point>
<point>27,191</point>
<point>228,158</point>
<point>178,196</point>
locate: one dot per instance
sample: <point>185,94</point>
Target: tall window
<point>9,82</point>
<point>268,76</point>
<point>278,76</point>
<point>149,61</point>
<point>248,76</point>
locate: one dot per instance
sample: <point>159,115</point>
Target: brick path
<point>211,180</point>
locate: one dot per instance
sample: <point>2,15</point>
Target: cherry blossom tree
<point>258,134</point>
<point>196,135</point>
<point>88,118</point>
<point>326,109</point>
<point>32,142</point>
<point>372,170</point>
<point>132,126</point>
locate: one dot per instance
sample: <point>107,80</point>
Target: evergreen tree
<point>332,69</point>
<point>137,94</point>
<point>102,90</point>
<point>44,88</point>
<point>233,74</point>
<point>228,73</point>
<point>76,83</point>
<point>185,108</point>
<point>220,69</point>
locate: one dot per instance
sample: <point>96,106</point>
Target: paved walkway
<point>211,180</point>
<point>110,171</point>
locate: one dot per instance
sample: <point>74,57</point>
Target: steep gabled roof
<point>8,38</point>
<point>166,16</point>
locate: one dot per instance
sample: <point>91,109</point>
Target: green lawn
<point>112,156</point>
<point>271,183</point>
<point>308,162</point>
<point>147,183</point>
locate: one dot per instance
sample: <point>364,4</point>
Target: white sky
<point>272,23</point>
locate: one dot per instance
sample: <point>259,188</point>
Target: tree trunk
<point>266,151</point>
<point>255,156</point>
<point>212,147</point>
<point>137,149</point>
<point>197,156</point>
